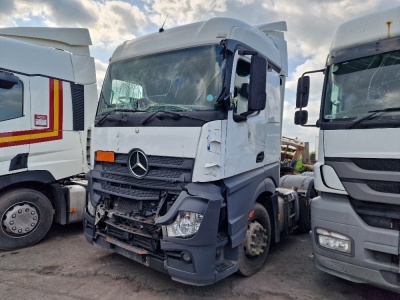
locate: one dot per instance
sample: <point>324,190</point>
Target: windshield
<point>183,80</point>
<point>357,87</point>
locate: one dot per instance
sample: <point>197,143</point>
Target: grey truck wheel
<point>254,250</point>
<point>26,216</point>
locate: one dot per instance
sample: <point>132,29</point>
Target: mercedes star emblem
<point>138,163</point>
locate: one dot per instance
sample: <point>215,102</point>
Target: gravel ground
<point>65,266</point>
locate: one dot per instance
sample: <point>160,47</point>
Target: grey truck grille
<point>165,174</point>
<point>374,188</point>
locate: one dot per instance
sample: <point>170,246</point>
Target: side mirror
<point>303,91</point>
<point>257,86</point>
<point>300,117</point>
<point>8,80</point>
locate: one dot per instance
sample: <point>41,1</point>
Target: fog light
<point>186,257</point>
<point>333,240</point>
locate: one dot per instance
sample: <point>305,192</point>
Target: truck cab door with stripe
<point>14,122</point>
<point>55,146</point>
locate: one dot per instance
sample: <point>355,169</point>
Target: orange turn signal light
<point>106,156</point>
<point>251,214</point>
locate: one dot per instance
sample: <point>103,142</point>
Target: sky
<point>311,26</point>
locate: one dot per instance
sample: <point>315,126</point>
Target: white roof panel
<point>369,28</point>
<point>74,40</point>
<point>206,32</point>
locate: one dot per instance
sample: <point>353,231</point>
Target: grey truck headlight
<point>333,240</point>
<point>186,224</point>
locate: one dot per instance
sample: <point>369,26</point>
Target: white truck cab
<point>47,100</point>
<point>356,217</point>
<point>185,150</point>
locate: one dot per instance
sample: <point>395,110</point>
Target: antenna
<point>162,27</point>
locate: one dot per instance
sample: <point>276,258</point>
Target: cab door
<point>14,122</point>
<point>253,131</point>
<point>246,133</point>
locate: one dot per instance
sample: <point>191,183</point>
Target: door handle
<point>260,157</point>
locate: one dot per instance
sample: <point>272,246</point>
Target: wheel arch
<point>43,182</point>
<point>255,186</point>
<point>269,200</point>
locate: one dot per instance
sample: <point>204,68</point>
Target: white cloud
<point>246,2</point>
<point>315,63</point>
<point>117,22</point>
<point>109,22</point>
<point>182,12</point>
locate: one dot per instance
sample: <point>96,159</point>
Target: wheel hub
<point>20,219</point>
<point>256,239</point>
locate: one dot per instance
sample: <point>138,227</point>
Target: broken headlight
<point>186,224</point>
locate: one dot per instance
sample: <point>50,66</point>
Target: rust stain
<point>388,23</point>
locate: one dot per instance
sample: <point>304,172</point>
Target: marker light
<point>106,156</point>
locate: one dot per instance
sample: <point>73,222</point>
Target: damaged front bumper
<point>201,259</point>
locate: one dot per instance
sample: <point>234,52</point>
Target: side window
<point>11,99</point>
<point>242,79</point>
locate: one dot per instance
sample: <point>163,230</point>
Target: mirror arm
<point>316,71</point>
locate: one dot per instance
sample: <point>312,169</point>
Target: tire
<point>250,259</point>
<point>25,218</point>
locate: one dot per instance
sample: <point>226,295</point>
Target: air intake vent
<point>78,106</point>
<point>88,136</point>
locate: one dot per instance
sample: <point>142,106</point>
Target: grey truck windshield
<point>364,91</point>
<point>185,80</point>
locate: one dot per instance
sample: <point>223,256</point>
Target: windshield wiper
<point>171,114</point>
<point>373,113</point>
<point>117,110</point>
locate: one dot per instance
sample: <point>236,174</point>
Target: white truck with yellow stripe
<point>47,99</point>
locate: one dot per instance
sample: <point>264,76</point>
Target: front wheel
<point>254,250</point>
<point>26,216</point>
